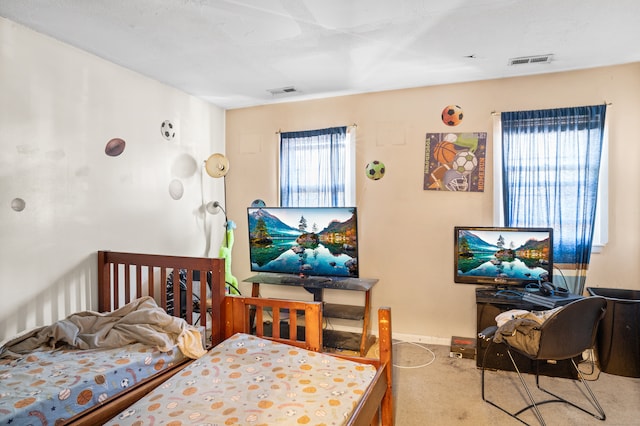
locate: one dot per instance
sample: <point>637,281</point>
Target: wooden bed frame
<point>123,277</point>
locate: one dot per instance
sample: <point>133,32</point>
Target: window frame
<point>350,159</point>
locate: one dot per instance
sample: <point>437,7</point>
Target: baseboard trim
<point>416,338</point>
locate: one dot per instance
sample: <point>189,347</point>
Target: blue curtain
<point>551,164</point>
<point>313,168</point>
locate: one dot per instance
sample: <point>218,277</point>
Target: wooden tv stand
<point>359,342</point>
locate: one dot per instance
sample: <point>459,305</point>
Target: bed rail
<point>288,321</point>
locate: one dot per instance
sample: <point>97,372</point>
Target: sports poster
<point>455,161</point>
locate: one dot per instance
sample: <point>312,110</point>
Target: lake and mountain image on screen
<point>307,241</point>
<point>523,256</point>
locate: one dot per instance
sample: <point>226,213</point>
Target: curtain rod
<point>280,130</point>
<point>605,102</point>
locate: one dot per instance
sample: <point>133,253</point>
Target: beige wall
<point>406,233</point>
<point>58,108</point>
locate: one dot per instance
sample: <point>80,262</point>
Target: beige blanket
<point>521,329</point>
<point>141,321</point>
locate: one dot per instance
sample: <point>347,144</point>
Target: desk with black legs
<point>359,342</point>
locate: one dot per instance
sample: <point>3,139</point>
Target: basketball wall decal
<point>452,115</point>
<point>444,152</point>
<point>114,147</point>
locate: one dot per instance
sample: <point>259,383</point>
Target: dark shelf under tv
<point>349,312</point>
<point>337,339</point>
<point>345,340</point>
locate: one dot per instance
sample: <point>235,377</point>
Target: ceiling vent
<point>538,59</point>
<point>283,91</point>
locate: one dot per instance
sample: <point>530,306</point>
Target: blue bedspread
<point>47,386</point>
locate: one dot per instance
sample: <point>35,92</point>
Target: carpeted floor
<point>432,388</point>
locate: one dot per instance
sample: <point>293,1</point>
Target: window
<point>550,171</point>
<point>317,168</point>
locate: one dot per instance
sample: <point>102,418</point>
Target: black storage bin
<point>618,341</point>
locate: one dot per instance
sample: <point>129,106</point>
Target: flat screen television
<point>305,241</point>
<point>503,256</point>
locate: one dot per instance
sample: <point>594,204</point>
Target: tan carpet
<point>431,388</point>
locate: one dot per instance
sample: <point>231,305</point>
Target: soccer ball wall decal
<point>452,115</point>
<point>465,162</point>
<point>168,130</point>
<point>375,170</point>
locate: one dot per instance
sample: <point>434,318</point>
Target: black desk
<point>491,302</point>
<point>360,342</point>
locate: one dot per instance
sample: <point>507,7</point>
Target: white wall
<point>58,108</point>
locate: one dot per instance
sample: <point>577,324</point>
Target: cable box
<point>536,299</point>
<point>463,347</point>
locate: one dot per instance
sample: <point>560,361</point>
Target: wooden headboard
<point>124,277</point>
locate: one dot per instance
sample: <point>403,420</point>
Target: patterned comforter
<point>47,386</point>
<point>57,371</point>
<point>248,380</point>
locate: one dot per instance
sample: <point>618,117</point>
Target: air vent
<point>539,59</point>
<point>283,91</point>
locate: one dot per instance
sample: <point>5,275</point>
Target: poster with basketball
<point>455,161</point>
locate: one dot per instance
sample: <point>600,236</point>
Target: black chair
<point>565,335</point>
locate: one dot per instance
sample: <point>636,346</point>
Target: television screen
<point>503,256</point>
<point>304,241</point>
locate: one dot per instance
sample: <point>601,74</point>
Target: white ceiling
<point>233,52</point>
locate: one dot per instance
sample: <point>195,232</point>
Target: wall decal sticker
<point>176,189</point>
<point>375,170</point>
<point>18,204</point>
<point>455,161</point>
<point>452,115</point>
<point>184,166</point>
<point>168,130</point>
<point>115,147</point>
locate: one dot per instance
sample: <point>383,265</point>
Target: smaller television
<point>503,256</point>
<point>305,241</point>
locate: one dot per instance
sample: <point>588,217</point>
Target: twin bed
<point>248,360</point>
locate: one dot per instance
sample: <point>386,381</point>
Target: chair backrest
<point>572,329</point>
